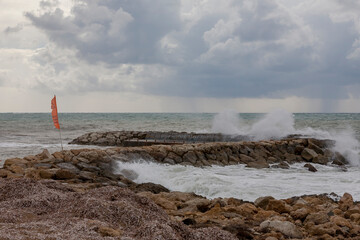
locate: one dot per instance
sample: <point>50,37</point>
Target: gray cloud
<point>238,49</point>
<point>15,29</point>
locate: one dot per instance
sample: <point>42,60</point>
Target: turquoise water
<point>22,134</point>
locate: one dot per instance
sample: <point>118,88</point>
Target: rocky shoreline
<point>45,189</point>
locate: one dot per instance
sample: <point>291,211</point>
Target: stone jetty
<point>78,194</point>
<point>146,138</point>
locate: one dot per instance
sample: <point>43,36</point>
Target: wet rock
<point>282,165</point>
<point>285,227</point>
<point>258,164</point>
<point>309,154</point>
<point>130,174</point>
<point>339,159</point>
<point>310,167</point>
<point>169,161</point>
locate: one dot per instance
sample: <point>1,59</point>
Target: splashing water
<point>279,124</point>
<point>276,124</point>
<point>246,183</point>
<point>227,122</point>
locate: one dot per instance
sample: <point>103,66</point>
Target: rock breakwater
<point>137,138</point>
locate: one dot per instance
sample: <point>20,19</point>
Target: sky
<point>180,55</point>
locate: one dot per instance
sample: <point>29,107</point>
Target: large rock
<point>285,227</point>
<point>258,164</point>
<point>309,154</point>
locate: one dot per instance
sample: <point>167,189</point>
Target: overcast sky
<point>180,55</point>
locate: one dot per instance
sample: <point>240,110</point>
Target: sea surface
<point>24,134</point>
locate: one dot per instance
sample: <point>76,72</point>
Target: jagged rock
<point>310,167</point>
<point>285,227</point>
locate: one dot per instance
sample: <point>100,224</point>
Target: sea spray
<point>246,183</point>
<point>276,124</point>
<point>280,123</point>
<point>227,122</point>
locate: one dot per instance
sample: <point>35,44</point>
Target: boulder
<point>346,202</point>
<point>47,173</point>
<point>310,167</point>
<point>262,202</point>
<point>285,227</point>
<point>150,187</point>
<point>317,218</point>
<point>246,159</point>
<point>282,165</point>
<point>64,174</point>
<point>278,206</point>
<point>339,159</point>
<point>258,164</point>
<point>68,166</point>
<point>130,174</point>
<point>309,154</point>
<point>190,157</point>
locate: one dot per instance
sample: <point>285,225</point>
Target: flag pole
<point>62,149</point>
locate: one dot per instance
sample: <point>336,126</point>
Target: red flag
<point>54,113</point>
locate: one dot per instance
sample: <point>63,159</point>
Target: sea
<point>23,134</point>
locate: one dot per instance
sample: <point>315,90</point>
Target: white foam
<point>247,183</point>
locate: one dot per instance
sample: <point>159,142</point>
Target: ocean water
<point>23,134</point>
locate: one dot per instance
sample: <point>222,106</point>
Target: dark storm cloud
<point>239,49</point>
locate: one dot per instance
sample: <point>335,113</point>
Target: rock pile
<point>305,217</point>
<point>95,165</point>
<point>122,138</point>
